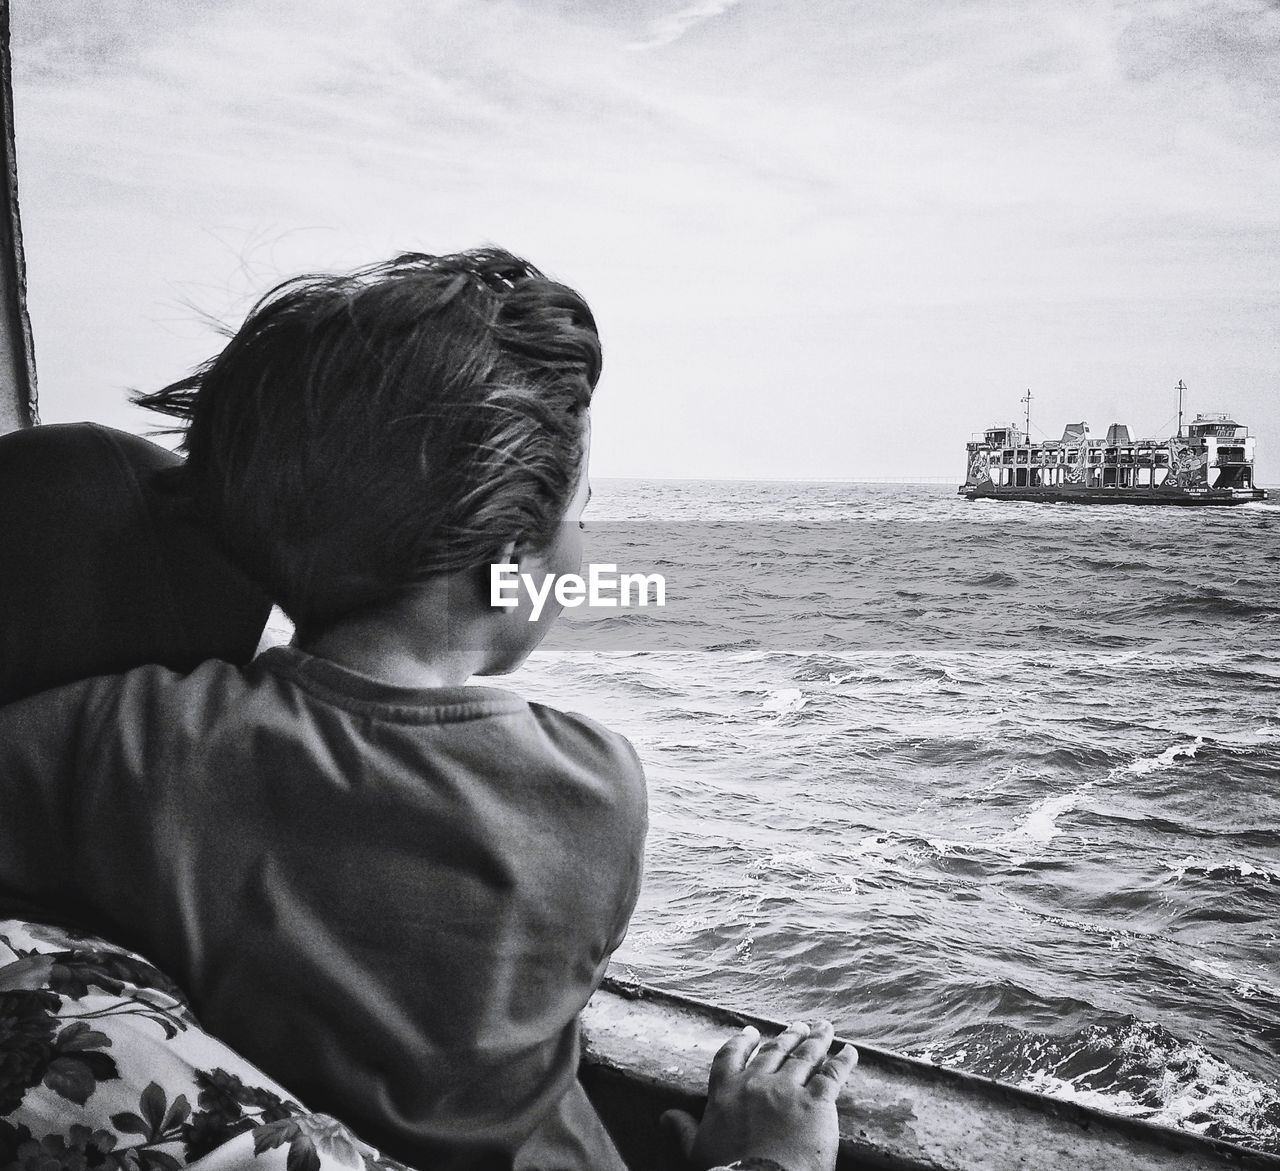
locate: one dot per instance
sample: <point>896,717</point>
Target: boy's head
<point>362,433</point>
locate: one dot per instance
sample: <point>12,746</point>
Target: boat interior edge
<point>646,1051</point>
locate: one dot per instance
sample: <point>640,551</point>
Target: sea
<point>995,785</point>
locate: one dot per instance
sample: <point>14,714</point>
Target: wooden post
<point>17,353</point>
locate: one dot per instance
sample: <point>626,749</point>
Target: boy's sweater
<point>395,901</point>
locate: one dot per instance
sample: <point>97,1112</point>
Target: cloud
<point>782,164</point>
<point>1191,41</point>
<point>78,38</point>
<point>670,28</point>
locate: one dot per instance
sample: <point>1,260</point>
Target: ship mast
<point>1180,388</point>
<point>1026,399</point>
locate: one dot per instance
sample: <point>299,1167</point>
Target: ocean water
<point>997,785</point>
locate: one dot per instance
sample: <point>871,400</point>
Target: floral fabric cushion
<point>103,1065</point>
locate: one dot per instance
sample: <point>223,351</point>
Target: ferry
<point>1208,462</point>
<point>646,1050</point>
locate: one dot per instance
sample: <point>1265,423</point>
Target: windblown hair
<point>363,432</point>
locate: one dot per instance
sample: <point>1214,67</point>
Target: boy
<point>391,891</point>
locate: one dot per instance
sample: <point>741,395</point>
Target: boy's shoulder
<point>592,746</point>
<point>512,724</point>
<point>592,734</point>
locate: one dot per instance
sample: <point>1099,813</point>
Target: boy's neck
<point>432,637</point>
<point>387,663</point>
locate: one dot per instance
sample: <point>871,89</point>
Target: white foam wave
<point>886,845</point>
<point>646,941</point>
<point>1262,734</point>
<point>1041,824</point>
<point>1166,759</point>
<point>946,847</point>
<point>953,847</point>
<point>877,856</point>
<point>784,700</point>
<point>1193,1089</point>
<point>1232,869</point>
<point>801,863</point>
<point>1245,987</point>
<point>1138,1069</point>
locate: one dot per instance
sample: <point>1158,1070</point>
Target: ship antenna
<point>1180,388</point>
<point>1026,398</point>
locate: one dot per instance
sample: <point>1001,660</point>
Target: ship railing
<point>1140,449</point>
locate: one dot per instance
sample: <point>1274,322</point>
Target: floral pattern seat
<point>103,1065</point>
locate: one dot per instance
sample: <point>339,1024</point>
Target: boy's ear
<point>480,578</point>
<point>524,551</point>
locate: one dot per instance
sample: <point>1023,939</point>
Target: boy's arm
<point>573,1135</point>
<point>633,818</point>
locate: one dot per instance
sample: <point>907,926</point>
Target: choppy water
<point>993,784</point>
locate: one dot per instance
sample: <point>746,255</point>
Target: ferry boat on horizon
<point>1209,462</point>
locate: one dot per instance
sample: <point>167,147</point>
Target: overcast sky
<point>824,239</point>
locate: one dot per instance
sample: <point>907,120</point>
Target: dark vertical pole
<point>1027,400</point>
<point>17,353</point>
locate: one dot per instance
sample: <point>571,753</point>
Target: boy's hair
<point>362,432</point>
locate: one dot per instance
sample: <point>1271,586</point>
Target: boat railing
<point>1140,447</point>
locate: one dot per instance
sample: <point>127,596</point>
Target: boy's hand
<point>772,1100</point>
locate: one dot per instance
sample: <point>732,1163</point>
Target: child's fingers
<point>733,1054</point>
<point>681,1128</point>
<point>810,1053</point>
<point>773,1052</point>
<point>832,1073</point>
